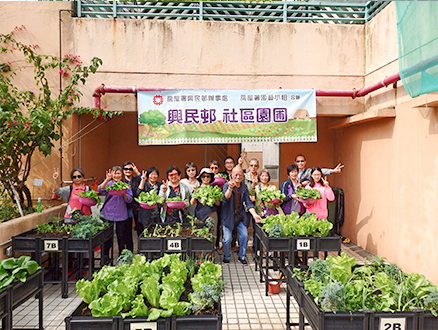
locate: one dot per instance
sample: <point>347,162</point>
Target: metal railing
<point>235,11</point>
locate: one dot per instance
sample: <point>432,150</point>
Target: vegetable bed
<point>19,292</point>
<point>64,251</point>
<point>167,293</point>
<point>274,237</point>
<point>181,238</point>
<point>336,294</point>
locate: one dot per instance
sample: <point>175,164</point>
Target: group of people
<point>241,201</point>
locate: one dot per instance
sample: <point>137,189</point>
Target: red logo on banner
<point>158,100</point>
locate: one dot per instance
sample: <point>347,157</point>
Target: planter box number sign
<point>174,245</point>
<point>51,245</point>
<point>303,244</point>
<point>392,323</point>
<point>143,326</point>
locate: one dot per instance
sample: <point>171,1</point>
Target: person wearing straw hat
<point>204,211</point>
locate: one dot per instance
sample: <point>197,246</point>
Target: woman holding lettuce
<point>70,193</point>
<point>170,189</point>
<point>323,186</point>
<point>204,211</point>
<point>261,206</point>
<point>115,208</point>
<point>149,181</point>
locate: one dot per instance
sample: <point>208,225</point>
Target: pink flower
<point>75,94</point>
<point>70,91</point>
<point>15,121</point>
<point>4,101</point>
<point>105,107</point>
<point>61,71</point>
<point>27,124</point>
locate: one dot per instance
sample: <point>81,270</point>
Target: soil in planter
<point>58,234</point>
<point>184,232</point>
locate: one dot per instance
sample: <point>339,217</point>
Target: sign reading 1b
<point>226,116</point>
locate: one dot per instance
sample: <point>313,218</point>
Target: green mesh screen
<point>417,30</point>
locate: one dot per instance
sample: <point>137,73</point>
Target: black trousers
<point>124,236</point>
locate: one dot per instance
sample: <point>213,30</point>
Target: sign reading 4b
<point>174,244</point>
<point>392,323</point>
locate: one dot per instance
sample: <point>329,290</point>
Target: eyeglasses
<point>128,169</point>
<point>205,176</point>
<point>229,162</point>
<point>214,167</point>
<point>171,175</point>
<point>191,170</point>
<point>76,176</point>
<point>300,161</point>
<point>253,165</point>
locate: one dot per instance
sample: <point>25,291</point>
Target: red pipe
<point>363,91</point>
<point>102,89</point>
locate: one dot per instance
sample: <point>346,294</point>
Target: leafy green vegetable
<point>151,198</point>
<point>126,257</point>
<point>88,227</point>
<point>174,199</point>
<point>270,195</point>
<point>196,230</point>
<point>108,305</point>
<point>119,185</point>
<point>57,226</point>
<point>337,285</point>
<point>90,194</point>
<point>16,269</point>
<point>220,175</point>
<point>308,193</point>
<point>208,194</point>
<point>281,225</point>
<point>150,289</point>
<point>139,308</point>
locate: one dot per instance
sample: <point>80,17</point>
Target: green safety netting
<point>417,30</point>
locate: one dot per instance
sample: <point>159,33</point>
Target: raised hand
<point>55,174</point>
<point>338,168</point>
<point>109,174</point>
<point>326,183</point>
<point>165,185</point>
<point>143,176</point>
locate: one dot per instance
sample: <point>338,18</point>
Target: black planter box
<point>366,320</point>
<point>186,322</point>
<point>66,255</point>
<point>19,292</point>
<point>282,248</point>
<point>158,246</point>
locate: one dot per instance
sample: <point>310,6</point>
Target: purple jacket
<point>115,208</point>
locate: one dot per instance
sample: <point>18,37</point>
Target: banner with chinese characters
<point>226,116</point>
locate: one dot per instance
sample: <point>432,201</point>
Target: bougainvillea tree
<point>30,117</point>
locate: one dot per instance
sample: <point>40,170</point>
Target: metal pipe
<point>423,65</point>
<point>60,86</point>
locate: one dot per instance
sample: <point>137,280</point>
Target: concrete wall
<point>390,164</point>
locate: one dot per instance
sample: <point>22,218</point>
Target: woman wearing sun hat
<point>202,212</point>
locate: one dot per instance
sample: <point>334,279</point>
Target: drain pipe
<point>363,91</point>
<point>60,86</point>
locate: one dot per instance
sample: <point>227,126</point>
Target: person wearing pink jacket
<point>323,186</point>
